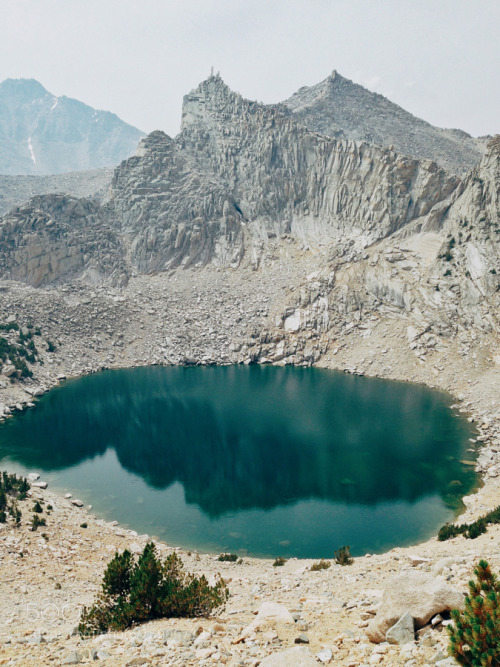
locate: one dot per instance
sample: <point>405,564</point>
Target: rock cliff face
<point>58,237</point>
<point>44,134</point>
<point>240,173</point>
<point>338,107</point>
<point>441,272</point>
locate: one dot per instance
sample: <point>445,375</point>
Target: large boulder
<point>416,593</point>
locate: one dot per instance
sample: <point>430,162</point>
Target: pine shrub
<point>228,558</point>
<point>343,556</point>
<point>279,562</point>
<point>36,522</point>
<point>135,592</point>
<point>470,530</point>
<point>475,635</point>
<point>12,488</point>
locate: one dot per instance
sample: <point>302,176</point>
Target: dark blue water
<point>250,459</point>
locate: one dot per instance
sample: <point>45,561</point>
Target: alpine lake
<point>254,460</point>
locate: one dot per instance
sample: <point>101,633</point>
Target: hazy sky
<point>440,59</point>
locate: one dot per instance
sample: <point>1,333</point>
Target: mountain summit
<point>44,134</point>
<point>340,108</point>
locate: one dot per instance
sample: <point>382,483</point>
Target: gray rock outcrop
<point>241,173</point>
<point>57,237</point>
<point>337,107</point>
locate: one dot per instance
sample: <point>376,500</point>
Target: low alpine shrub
<point>470,530</point>
<point>135,592</point>
<point>36,522</point>
<point>343,556</point>
<point>320,565</point>
<point>228,558</point>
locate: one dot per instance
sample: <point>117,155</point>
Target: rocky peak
<point>211,97</point>
<point>24,90</point>
<point>153,142</point>
<point>339,107</point>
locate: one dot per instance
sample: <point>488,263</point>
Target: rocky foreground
<point>283,612</point>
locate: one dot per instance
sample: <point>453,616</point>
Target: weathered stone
<point>401,632</point>
<point>325,655</point>
<point>273,611</point>
<point>417,593</point>
<point>73,658</point>
<point>298,656</point>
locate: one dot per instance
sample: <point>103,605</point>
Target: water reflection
<point>252,437</point>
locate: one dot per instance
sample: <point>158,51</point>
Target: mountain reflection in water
<point>239,438</point>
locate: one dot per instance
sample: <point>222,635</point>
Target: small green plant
<point>343,556</point>
<point>37,508</point>
<point>49,507</point>
<point>136,592</point>
<point>320,565</point>
<point>36,522</point>
<point>447,273</point>
<point>10,326</point>
<point>15,512</point>
<point>50,346</point>
<point>228,558</point>
<point>12,489</point>
<point>470,530</point>
<point>83,525</point>
<point>475,635</point>
<point>279,562</point>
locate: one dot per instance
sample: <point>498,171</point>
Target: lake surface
<point>251,459</point>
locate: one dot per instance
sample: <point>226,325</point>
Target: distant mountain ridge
<point>340,108</point>
<point>42,134</point>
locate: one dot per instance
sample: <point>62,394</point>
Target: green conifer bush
<point>135,592</point>
<point>475,636</point>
